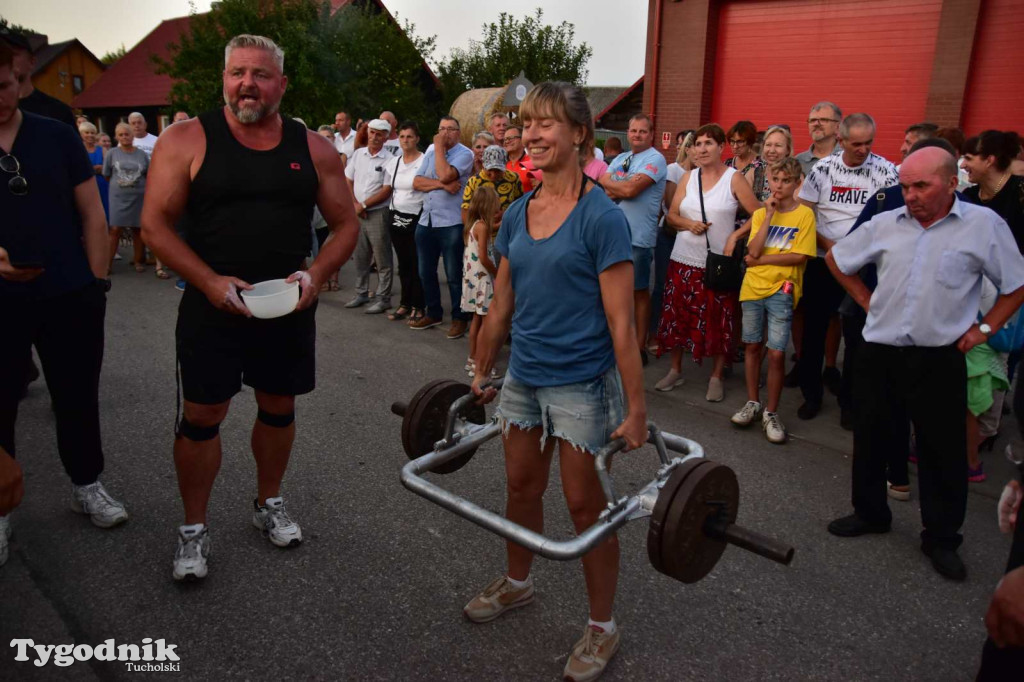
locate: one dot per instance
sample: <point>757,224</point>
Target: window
<point>163,121</point>
<point>77,84</point>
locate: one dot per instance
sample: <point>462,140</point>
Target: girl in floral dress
<point>478,269</point>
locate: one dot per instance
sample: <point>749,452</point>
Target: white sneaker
<point>193,551</point>
<point>774,431</point>
<point>94,500</point>
<point>669,381</point>
<point>747,414</point>
<point>5,534</point>
<point>275,523</point>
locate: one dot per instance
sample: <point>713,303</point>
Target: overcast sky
<point>615,29</point>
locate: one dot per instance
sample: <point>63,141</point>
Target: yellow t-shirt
<point>791,232</point>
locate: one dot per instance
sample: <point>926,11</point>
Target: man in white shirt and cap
<point>366,173</point>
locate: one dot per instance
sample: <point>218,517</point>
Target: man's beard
<point>250,115</point>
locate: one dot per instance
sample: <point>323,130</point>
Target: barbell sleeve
<point>762,545</point>
<point>399,408</point>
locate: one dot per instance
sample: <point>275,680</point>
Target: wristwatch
<point>985,329</point>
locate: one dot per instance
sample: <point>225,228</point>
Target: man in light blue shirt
<point>931,256</point>
<point>442,178</point>
<point>636,181</point>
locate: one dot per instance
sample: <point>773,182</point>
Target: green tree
<point>112,56</point>
<point>512,45</point>
<point>356,59</point>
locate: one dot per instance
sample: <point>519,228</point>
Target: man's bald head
<point>931,160</point>
<point>928,178</point>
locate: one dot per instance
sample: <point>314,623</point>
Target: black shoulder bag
<point>395,219</point>
<point>721,273</point>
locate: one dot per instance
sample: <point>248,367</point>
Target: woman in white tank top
<point>694,318</point>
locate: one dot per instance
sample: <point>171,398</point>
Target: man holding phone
<point>52,289</point>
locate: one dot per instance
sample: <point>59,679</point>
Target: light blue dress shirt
<point>441,209</point>
<point>929,279</point>
<point>642,211</point>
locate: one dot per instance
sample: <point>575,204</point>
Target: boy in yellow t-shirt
<point>782,238</point>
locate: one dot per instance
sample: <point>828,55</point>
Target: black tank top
<point>249,212</point>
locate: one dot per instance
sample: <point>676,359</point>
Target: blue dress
<point>96,159</point>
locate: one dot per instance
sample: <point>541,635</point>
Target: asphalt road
<point>376,590</point>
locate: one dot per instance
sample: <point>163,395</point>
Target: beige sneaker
<point>497,598</point>
<point>716,391</point>
<point>591,654</point>
<point>669,381</point>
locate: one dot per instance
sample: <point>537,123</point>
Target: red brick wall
<point>951,67</point>
<point>682,94</point>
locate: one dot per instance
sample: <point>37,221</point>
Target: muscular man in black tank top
<point>244,181</point>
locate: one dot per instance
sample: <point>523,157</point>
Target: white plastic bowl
<point>272,298</point>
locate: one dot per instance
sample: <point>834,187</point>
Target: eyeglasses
<point>736,143</point>
<point>447,130</point>
<point>822,121</point>
<point>18,184</point>
<point>512,137</point>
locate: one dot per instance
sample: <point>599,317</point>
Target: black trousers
<point>67,331</point>
<point>404,242</point>
<point>897,454</point>
<point>928,387</point>
<point>821,299</point>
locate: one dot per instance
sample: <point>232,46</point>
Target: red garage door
<point>775,59</point>
<point>995,90</point>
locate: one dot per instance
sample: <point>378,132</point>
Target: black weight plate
<point>656,527</point>
<point>407,419</point>
<point>427,424</point>
<point>687,553</point>
<point>416,424</point>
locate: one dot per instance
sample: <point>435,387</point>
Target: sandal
<point>415,316</point>
<point>401,313</point>
<point>334,286</point>
<point>162,274</point>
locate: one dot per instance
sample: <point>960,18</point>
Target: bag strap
<point>398,160</point>
<point>703,215</point>
<point>880,198</point>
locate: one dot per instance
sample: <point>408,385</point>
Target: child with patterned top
<point>478,268</point>
<point>782,238</point>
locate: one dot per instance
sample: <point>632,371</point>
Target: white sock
<point>191,529</point>
<point>608,627</point>
<point>519,584</point>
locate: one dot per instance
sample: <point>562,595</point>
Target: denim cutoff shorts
<point>583,414</point>
<point>778,308</point>
<point>642,258</point>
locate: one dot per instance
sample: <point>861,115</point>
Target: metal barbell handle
<point>744,538</point>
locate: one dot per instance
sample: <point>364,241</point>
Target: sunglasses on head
<point>18,185</point>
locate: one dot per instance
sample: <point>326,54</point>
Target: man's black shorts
<point>218,352</point>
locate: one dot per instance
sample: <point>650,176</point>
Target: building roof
<point>132,80</point>
<point>50,52</point>
<point>599,97</point>
<point>622,94</point>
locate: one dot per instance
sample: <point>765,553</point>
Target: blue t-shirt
<point>441,208</point>
<point>560,330</point>
<point>643,210</point>
<point>44,226</point>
